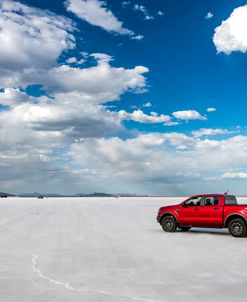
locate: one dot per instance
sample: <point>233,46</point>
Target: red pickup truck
<point>206,210</point>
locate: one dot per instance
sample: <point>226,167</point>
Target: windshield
<point>230,200</point>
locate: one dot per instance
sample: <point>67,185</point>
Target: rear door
<point>212,212</point>
<point>190,212</point>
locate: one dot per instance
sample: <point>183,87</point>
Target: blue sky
<point>123,96</point>
<point>185,71</point>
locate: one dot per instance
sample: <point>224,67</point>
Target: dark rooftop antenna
<point>226,192</point>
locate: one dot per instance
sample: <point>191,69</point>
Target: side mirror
<point>184,205</point>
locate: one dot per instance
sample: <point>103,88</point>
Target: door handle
<point>216,209</point>
<point>197,209</point>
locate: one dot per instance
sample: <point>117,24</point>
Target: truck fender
<point>233,216</point>
<point>168,214</point>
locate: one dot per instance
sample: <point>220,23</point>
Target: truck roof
<point>211,195</point>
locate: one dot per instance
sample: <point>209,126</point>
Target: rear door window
<point>230,200</point>
<point>211,200</point>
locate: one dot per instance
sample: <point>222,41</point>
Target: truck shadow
<point>220,232</point>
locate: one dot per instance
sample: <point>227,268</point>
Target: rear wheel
<point>237,228</point>
<point>169,224</point>
<point>185,229</point>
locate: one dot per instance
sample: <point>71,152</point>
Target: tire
<point>237,228</point>
<point>169,224</point>
<point>185,229</point>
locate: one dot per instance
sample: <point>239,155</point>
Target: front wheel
<point>169,224</point>
<point>237,228</point>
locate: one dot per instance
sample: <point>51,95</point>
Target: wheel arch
<point>234,216</point>
<point>168,214</point>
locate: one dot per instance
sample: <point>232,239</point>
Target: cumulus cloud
<point>31,40</point>
<point>73,122</point>
<point>164,160</point>
<point>231,35</point>
<point>14,96</point>
<point>71,138</point>
<point>131,157</point>
<point>96,13</point>
<point>35,130</point>
<point>74,109</point>
<point>210,132</point>
<point>33,138</point>
<point>188,115</point>
<point>97,84</point>
<point>140,116</point>
<point>30,37</point>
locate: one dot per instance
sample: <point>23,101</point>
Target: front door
<point>190,212</point>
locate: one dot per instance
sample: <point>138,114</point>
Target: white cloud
<point>231,35</point>
<point>147,105</point>
<point>170,124</point>
<point>98,84</point>
<point>102,57</point>
<point>188,115</point>
<point>35,131</point>
<point>209,15</point>
<point>74,110</point>
<point>211,109</point>
<point>140,8</point>
<point>126,3</point>
<point>210,132</point>
<point>234,175</point>
<point>71,60</point>
<point>137,37</point>
<point>30,37</point>
<point>14,96</point>
<point>133,107</point>
<point>140,116</point>
<point>96,13</point>
<point>65,141</point>
<point>160,13</point>
<point>143,9</point>
<point>128,158</point>
<point>74,60</point>
<point>73,122</point>
<point>164,161</point>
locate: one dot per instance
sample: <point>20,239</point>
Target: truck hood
<point>167,208</point>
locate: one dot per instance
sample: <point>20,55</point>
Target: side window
<point>211,200</point>
<point>230,200</point>
<point>194,201</point>
<point>216,200</point>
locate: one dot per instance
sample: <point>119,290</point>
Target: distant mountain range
<point>66,195</point>
<point>96,194</point>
